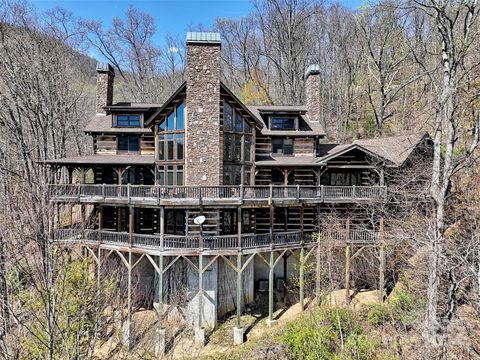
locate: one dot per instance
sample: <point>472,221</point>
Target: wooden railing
<point>222,242</point>
<point>156,193</point>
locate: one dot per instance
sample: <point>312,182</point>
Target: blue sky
<point>171,16</point>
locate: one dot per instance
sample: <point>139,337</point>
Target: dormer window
<point>127,120</point>
<point>283,123</point>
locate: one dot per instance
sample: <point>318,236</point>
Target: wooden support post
<point>200,291</point>
<point>302,278</point>
<point>162,227</point>
<point>99,238</point>
<point>130,224</point>
<point>381,285</point>
<point>270,287</point>
<point>239,227</point>
<point>347,274</point>
<point>239,289</point>
<point>318,292</point>
<point>160,290</point>
<point>128,325</point>
<point>272,209</point>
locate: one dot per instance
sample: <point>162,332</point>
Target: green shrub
<point>378,314</point>
<point>329,334</point>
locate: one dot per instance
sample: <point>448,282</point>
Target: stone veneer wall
<point>104,95</point>
<point>204,143</point>
<point>312,92</point>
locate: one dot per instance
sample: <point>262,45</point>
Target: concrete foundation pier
<point>237,335</point>
<point>200,336</point>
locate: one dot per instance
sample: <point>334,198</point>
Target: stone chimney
<point>203,137</point>
<point>105,76</point>
<point>312,92</point>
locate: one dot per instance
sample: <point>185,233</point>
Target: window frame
<point>294,118</point>
<point>128,151</point>
<point>163,135</point>
<point>235,139</point>
<point>115,121</point>
<point>283,153</point>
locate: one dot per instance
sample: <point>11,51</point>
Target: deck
<point>224,244</point>
<point>153,195</point>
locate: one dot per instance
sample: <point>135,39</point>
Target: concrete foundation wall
<point>210,286</point>
<point>227,285</point>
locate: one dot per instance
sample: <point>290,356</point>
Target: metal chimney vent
<point>203,37</point>
<point>312,70</point>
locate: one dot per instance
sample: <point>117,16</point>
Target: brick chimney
<point>312,92</point>
<point>105,76</point>
<point>204,149</point>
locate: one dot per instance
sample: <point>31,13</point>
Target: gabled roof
<point>258,119</point>
<point>312,128</point>
<point>394,150</point>
<point>160,109</point>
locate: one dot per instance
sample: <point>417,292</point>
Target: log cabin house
<point>213,193</point>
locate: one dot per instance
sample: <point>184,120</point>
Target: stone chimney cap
<point>312,70</point>
<point>105,67</point>
<point>203,37</point>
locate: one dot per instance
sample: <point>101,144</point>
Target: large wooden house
<point>215,190</point>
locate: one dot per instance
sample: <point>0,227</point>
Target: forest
<point>386,68</point>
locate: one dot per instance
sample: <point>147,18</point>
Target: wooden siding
<point>301,145</point>
<point>107,144</point>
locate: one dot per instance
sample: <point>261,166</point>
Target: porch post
<point>161,224</point>
<point>347,274</point>
<point>270,288</point>
<point>319,265</point>
<point>238,330</point>
<point>381,287</point>
<point>160,345</point>
<point>128,325</point>
<point>99,239</point>
<point>302,278</point>
<point>271,223</point>
<point>200,331</point>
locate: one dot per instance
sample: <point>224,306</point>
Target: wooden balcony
<point>213,195</point>
<point>194,244</point>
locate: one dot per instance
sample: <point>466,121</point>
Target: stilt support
<point>270,289</point>
<point>302,278</point>
<point>347,274</point>
<point>200,331</point>
<point>238,330</point>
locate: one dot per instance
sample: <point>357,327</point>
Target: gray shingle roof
<point>316,128</point>
<point>395,149</point>
<point>105,160</point>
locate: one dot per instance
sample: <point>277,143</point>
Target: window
<point>170,175</point>
<point>232,174</point>
<point>175,222</point>
<point>282,123</point>
<point>282,146</point>
<point>170,137</point>
<point>228,117</point>
<point>128,143</point>
<point>237,146</point>
<point>131,120</point>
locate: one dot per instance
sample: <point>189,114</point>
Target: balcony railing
<point>154,193</point>
<point>222,242</point>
